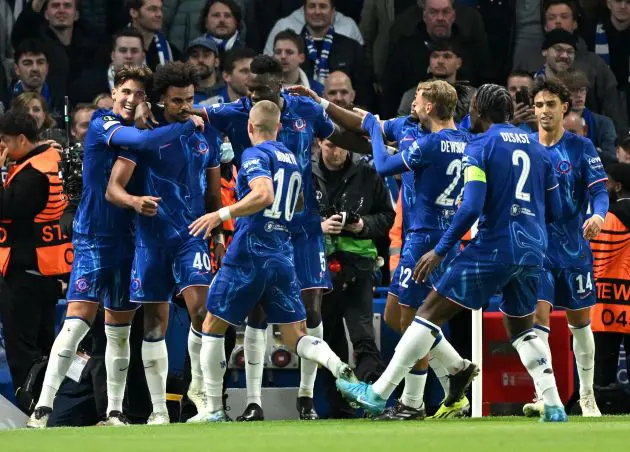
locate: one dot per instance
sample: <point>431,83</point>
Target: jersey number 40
<point>285,198</point>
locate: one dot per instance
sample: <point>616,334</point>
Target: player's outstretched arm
<point>151,140</point>
<point>385,164</point>
<point>117,194</point>
<point>260,197</point>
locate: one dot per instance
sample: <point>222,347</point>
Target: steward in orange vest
<point>34,253</point>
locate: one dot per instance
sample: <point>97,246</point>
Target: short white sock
<point>155,360</point>
<point>414,344</point>
<point>535,358</point>
<point>447,355</point>
<point>584,351</point>
<point>440,372</point>
<point>194,348</point>
<point>413,394</point>
<point>255,347</point>
<point>116,364</point>
<point>213,365</point>
<point>315,349</point>
<point>308,369</point>
<point>61,355</point>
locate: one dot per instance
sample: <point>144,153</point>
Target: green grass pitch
<point>504,434</point>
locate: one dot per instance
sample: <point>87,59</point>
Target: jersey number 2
<point>293,192</point>
<point>520,158</point>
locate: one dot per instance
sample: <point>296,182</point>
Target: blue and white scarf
<point>163,48</point>
<point>321,69</point>
<point>224,44</point>
<point>18,89</point>
<point>601,43</point>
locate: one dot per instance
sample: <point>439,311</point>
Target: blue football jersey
<point>302,121</point>
<point>436,162</point>
<point>517,172</point>
<point>404,130</point>
<point>577,167</point>
<point>266,232</point>
<point>95,216</point>
<point>176,172</point>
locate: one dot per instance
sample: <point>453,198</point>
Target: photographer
<point>356,210</point>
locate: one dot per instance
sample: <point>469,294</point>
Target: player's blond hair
<point>265,117</point>
<point>442,95</point>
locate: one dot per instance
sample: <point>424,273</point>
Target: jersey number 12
<point>290,198</point>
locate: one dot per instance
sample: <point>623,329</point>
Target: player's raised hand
<point>4,153</point>
<point>146,205</point>
<point>144,118</point>
<point>299,90</point>
<point>332,225</point>
<point>592,227</point>
<point>426,265</point>
<point>198,122</point>
<point>204,224</point>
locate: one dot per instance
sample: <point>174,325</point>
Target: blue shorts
<point>158,271</point>
<point>311,266</point>
<point>236,289</point>
<point>470,280</point>
<point>101,270</point>
<point>411,293</point>
<point>568,288</point>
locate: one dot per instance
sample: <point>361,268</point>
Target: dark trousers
<point>354,304</point>
<point>607,356</point>
<point>27,307</point>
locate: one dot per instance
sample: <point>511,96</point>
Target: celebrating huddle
<point>151,200</point>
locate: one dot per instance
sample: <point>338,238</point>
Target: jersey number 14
<point>287,199</point>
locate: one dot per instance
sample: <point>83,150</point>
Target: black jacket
<point>91,83</point>
<point>360,190</point>
<point>347,55</point>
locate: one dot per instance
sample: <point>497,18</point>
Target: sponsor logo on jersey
<point>564,167</point>
<point>272,226</point>
<point>82,285</point>
<point>595,162</point>
<point>517,210</point>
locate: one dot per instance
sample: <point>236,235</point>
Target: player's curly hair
<point>265,64</point>
<point>494,103</point>
<point>140,74</point>
<point>173,73</point>
<point>554,86</point>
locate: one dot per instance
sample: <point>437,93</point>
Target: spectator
<point>262,15</point>
<point>80,121</point>
<point>235,74</point>
<point>220,20</point>
<point>623,149</point>
<point>104,101</point>
<point>612,36</point>
<point>444,62</point>
<point>359,211</point>
<point>288,49</point>
<point>31,259</point>
<point>339,90</point>
<point>328,51</point>
<point>147,18</point>
<point>377,18</point>
<point>410,49</point>
<point>203,53</point>
<point>31,70</point>
<point>598,128</point>
<point>574,123</point>
<point>71,49</point>
<point>603,97</point>
<point>128,48</point>
<point>524,117</point>
<point>323,10</point>
<point>35,105</point>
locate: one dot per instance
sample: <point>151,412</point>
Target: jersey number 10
<point>290,198</point>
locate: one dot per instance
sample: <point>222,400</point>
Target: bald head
<point>264,121</point>
<point>573,122</point>
<point>338,89</point>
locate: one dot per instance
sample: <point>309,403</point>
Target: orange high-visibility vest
<point>53,249</point>
<point>611,267</point>
<point>395,237</point>
<point>228,197</point>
